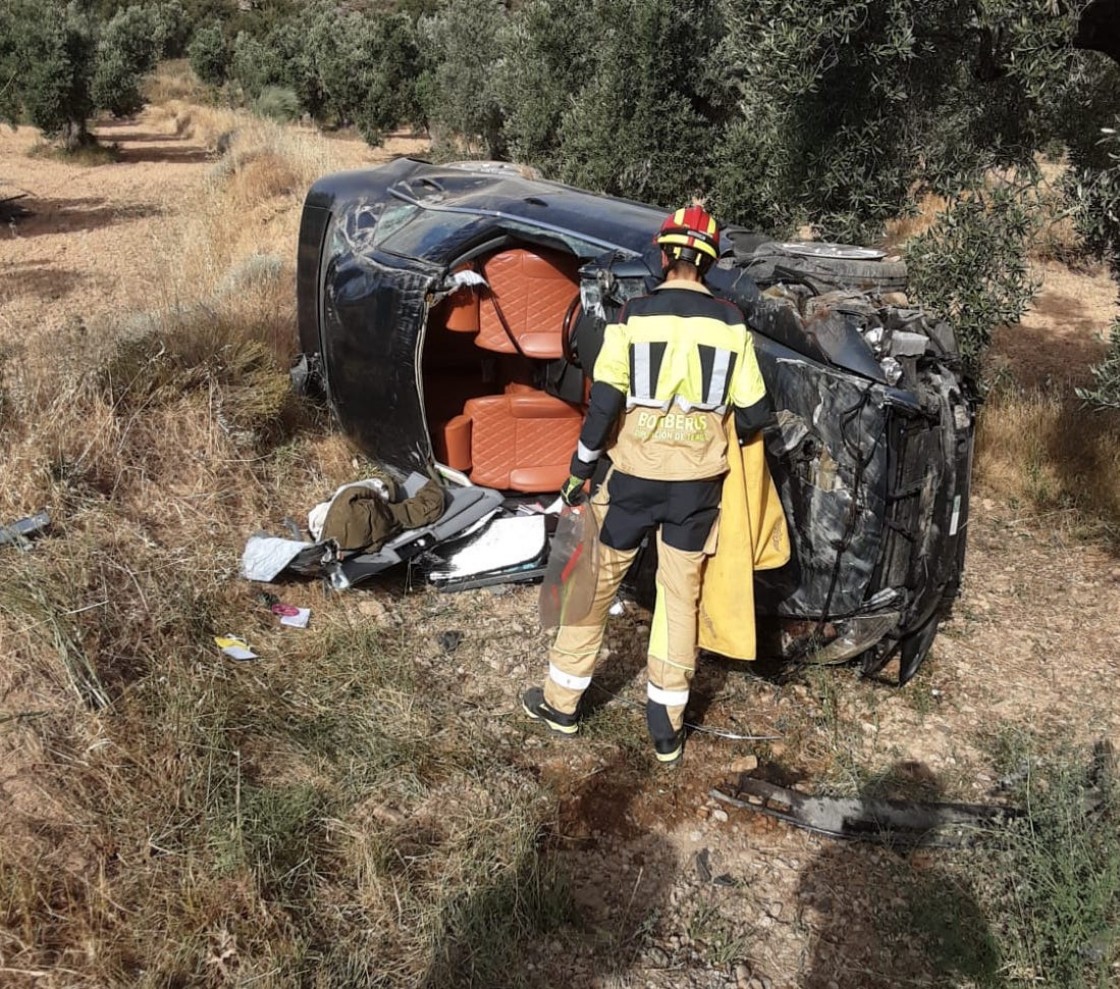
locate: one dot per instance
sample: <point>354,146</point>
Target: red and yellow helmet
<point>690,234</point>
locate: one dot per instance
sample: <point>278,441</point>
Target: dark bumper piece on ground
<point>900,822</point>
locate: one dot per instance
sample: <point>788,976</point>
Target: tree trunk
<point>76,136</point>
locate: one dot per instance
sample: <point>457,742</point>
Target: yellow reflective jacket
<point>683,359</point>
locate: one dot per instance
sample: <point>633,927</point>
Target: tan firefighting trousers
<point>672,643</point>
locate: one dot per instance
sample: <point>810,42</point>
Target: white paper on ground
<point>298,620</point>
<point>267,556</point>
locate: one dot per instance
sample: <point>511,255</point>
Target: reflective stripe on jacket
<point>681,360</point>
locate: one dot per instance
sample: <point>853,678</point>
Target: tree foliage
<point>366,68</point>
<point>172,30</point>
<point>54,53</point>
<point>848,110</point>
<point>9,67</point>
<point>282,58</point>
<point>209,54</point>
<point>60,63</point>
<point>344,67</point>
<point>1105,394</point>
<point>642,124</point>
<point>127,48</point>
<point>972,265</point>
<point>545,62</point>
<point>459,91</point>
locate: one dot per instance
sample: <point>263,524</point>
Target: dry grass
<point>1045,452</point>
<point>173,818</point>
<point>174,80</point>
<point>899,231</point>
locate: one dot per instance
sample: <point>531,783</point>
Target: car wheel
<point>840,264</point>
<point>888,275</point>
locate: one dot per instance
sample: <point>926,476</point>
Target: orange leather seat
<point>534,290</point>
<point>519,441</point>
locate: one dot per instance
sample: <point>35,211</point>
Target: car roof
<point>497,190</point>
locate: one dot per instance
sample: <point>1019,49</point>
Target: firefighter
<point>676,380</point>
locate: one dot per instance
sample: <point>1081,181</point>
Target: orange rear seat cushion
<point>522,441</point>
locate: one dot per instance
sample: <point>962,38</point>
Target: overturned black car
<point>452,314</point>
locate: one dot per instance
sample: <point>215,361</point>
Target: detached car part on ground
<point>452,315</point>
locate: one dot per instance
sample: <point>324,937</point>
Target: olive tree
<point>546,60</point>
<point>209,53</point>
<point>458,90</point>
<point>285,58</point>
<point>643,125</point>
<point>128,47</point>
<point>847,111</point>
<point>9,67</point>
<point>366,68</point>
<point>54,50</point>
<point>344,67</point>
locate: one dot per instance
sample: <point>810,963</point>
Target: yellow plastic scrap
<point>234,647</point>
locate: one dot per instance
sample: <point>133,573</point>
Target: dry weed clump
<point>262,176</point>
<point>1044,451</point>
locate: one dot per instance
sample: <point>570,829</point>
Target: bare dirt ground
<point>96,239</point>
<point>1032,645</point>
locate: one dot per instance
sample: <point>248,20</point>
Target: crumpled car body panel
<point>872,450</point>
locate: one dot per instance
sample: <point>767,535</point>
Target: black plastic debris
<point>449,641</point>
<point>704,871</point>
<point>19,533</point>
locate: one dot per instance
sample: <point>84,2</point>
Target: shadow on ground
<point>619,869</point>
<point>167,154</point>
<point>38,278</point>
<point>54,216</point>
<point>884,917</point>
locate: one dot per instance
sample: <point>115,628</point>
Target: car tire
<point>769,264</point>
<point>889,275</point>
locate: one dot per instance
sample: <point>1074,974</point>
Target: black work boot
<point>539,709</point>
<point>668,744</point>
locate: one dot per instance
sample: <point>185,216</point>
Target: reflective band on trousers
<point>670,698</point>
<point>558,676</point>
